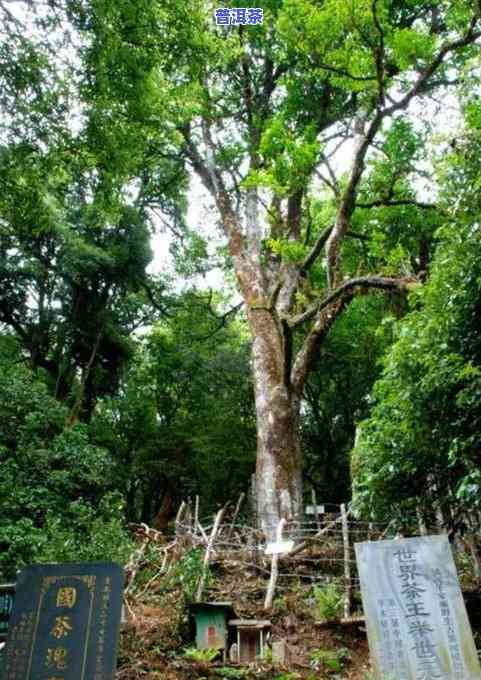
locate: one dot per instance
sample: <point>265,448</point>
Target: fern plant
<point>201,655</point>
<point>328,600</point>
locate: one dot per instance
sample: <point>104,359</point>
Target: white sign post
<point>315,509</point>
<point>416,619</point>
<point>279,548</point>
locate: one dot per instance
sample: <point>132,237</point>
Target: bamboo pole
<point>188,515</point>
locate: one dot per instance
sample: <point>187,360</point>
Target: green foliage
<point>421,442</point>
<point>55,499</point>
<point>336,391</point>
<point>232,673</point>
<point>412,46</point>
<point>74,289</point>
<point>190,394</point>
<point>106,108</point>
<point>201,655</point>
<point>329,601</point>
<point>86,533</point>
<point>329,659</point>
<point>281,606</point>
<point>77,182</point>
<point>288,250</point>
<point>188,572</point>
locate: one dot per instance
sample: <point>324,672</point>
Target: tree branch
<point>378,282</point>
<point>344,73</point>
<point>223,319</point>
<point>212,180</point>
<point>334,182</point>
<point>469,37</point>
<point>316,249</point>
<point>197,161</point>
<point>327,311</point>
<point>347,205</point>
<point>381,203</point>
<point>379,52</point>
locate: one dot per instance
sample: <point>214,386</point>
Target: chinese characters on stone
<point>455,653</point>
<point>391,646</point>
<point>239,16</point>
<point>18,651</point>
<point>103,616</point>
<point>57,655</point>
<point>417,617</point>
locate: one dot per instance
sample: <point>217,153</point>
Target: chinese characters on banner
<point>65,623</point>
<point>416,619</point>
<point>239,16</point>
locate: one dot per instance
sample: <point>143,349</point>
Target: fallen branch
<point>133,564</point>
<point>305,544</point>
<point>129,608</point>
<point>351,621</point>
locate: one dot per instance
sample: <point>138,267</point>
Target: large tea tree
<point>261,112</point>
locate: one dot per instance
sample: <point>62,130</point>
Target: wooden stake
<point>274,568</point>
<point>178,518</point>
<point>208,551</point>
<point>347,563</point>
<point>314,503</point>
<point>189,517</point>
<point>254,500</point>
<point>196,514</point>
<point>204,535</point>
<point>236,512</point>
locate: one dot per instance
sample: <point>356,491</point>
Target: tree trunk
<point>165,512</point>
<point>279,461</point>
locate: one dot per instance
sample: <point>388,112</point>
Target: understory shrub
<point>328,600</point>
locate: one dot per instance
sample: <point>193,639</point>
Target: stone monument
<point>7,596</point>
<point>416,619</point>
<point>65,623</point>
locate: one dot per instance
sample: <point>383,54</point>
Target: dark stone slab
<point>65,623</point>
<point>7,596</point>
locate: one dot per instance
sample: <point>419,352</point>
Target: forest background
<point>339,343</point>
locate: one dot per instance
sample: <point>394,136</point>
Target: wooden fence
<point>321,547</point>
